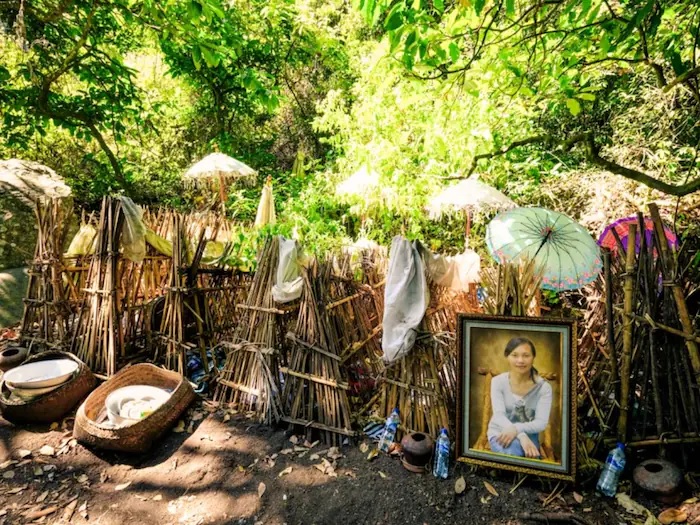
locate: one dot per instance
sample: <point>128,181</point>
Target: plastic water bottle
<point>614,465</point>
<point>392,423</point>
<point>442,455</point>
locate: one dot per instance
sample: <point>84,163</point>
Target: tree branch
<point>691,73</point>
<point>593,156</point>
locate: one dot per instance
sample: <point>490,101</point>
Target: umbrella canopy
<point>30,181</point>
<point>266,207</point>
<point>469,195</point>
<point>216,165</point>
<point>562,250</point>
<point>621,227</point>
<point>362,183</point>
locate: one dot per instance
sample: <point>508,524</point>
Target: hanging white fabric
<point>288,281</point>
<point>406,298</point>
<point>455,272</point>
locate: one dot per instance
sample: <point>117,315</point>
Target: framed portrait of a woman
<point>516,405</point>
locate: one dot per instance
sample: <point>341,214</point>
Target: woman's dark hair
<point>515,343</point>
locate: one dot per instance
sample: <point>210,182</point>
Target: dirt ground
<point>224,469</point>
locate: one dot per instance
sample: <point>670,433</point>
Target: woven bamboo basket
<point>90,428</point>
<point>54,405</point>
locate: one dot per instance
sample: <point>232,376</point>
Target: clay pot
<point>417,451</point>
<point>661,479</point>
<point>12,356</point>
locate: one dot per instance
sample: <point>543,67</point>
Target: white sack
<point>406,299</point>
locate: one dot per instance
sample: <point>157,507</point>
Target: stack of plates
<point>32,380</point>
<point>130,404</point>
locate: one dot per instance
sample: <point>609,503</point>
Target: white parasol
<point>217,166</point>
<point>468,196</point>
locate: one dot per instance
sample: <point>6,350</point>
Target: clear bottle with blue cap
<point>614,465</point>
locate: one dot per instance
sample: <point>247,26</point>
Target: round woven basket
<point>89,426</point>
<point>54,405</point>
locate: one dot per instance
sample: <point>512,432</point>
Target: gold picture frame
<point>487,394</point>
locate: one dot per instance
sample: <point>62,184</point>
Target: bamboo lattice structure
<point>98,339</point>
<point>47,317</point>
<point>250,377</point>
<point>315,391</point>
<point>637,375</point>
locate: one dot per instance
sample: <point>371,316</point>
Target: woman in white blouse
<point>521,401</point>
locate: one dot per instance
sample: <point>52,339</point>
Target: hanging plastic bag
<point>84,241</point>
<point>162,245</point>
<point>134,232</point>
<point>406,298</point>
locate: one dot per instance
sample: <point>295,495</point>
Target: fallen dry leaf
<point>47,450</point>
<point>7,463</point>
<point>70,509</point>
<point>321,467</point>
<point>122,486</point>
<point>157,497</point>
<point>334,453</point>
<point>38,471</point>
<point>630,505</point>
<point>17,490</point>
<point>460,485</point>
<point>314,457</point>
<point>261,489</point>
<point>312,445</point>
<point>578,497</point>
<point>83,478</point>
<point>373,454</point>
<point>588,509</point>
<point>286,471</point>
<point>286,451</point>
<point>180,427</point>
<point>227,417</point>
<point>490,488</point>
<point>83,510</point>
<point>9,474</point>
<point>42,496</point>
<point>23,453</point>
<point>485,500</point>
<point>300,449</point>
<point>672,516</point>
<point>364,447</point>
<point>293,440</point>
<point>54,426</point>
<point>382,475</point>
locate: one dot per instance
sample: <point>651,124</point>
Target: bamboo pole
<point>627,335</point>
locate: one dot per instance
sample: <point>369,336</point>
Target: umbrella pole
<point>467,227</point>
<point>222,193</point>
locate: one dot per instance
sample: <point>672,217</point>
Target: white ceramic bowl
<point>41,374</point>
<point>121,403</point>
<point>29,394</point>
